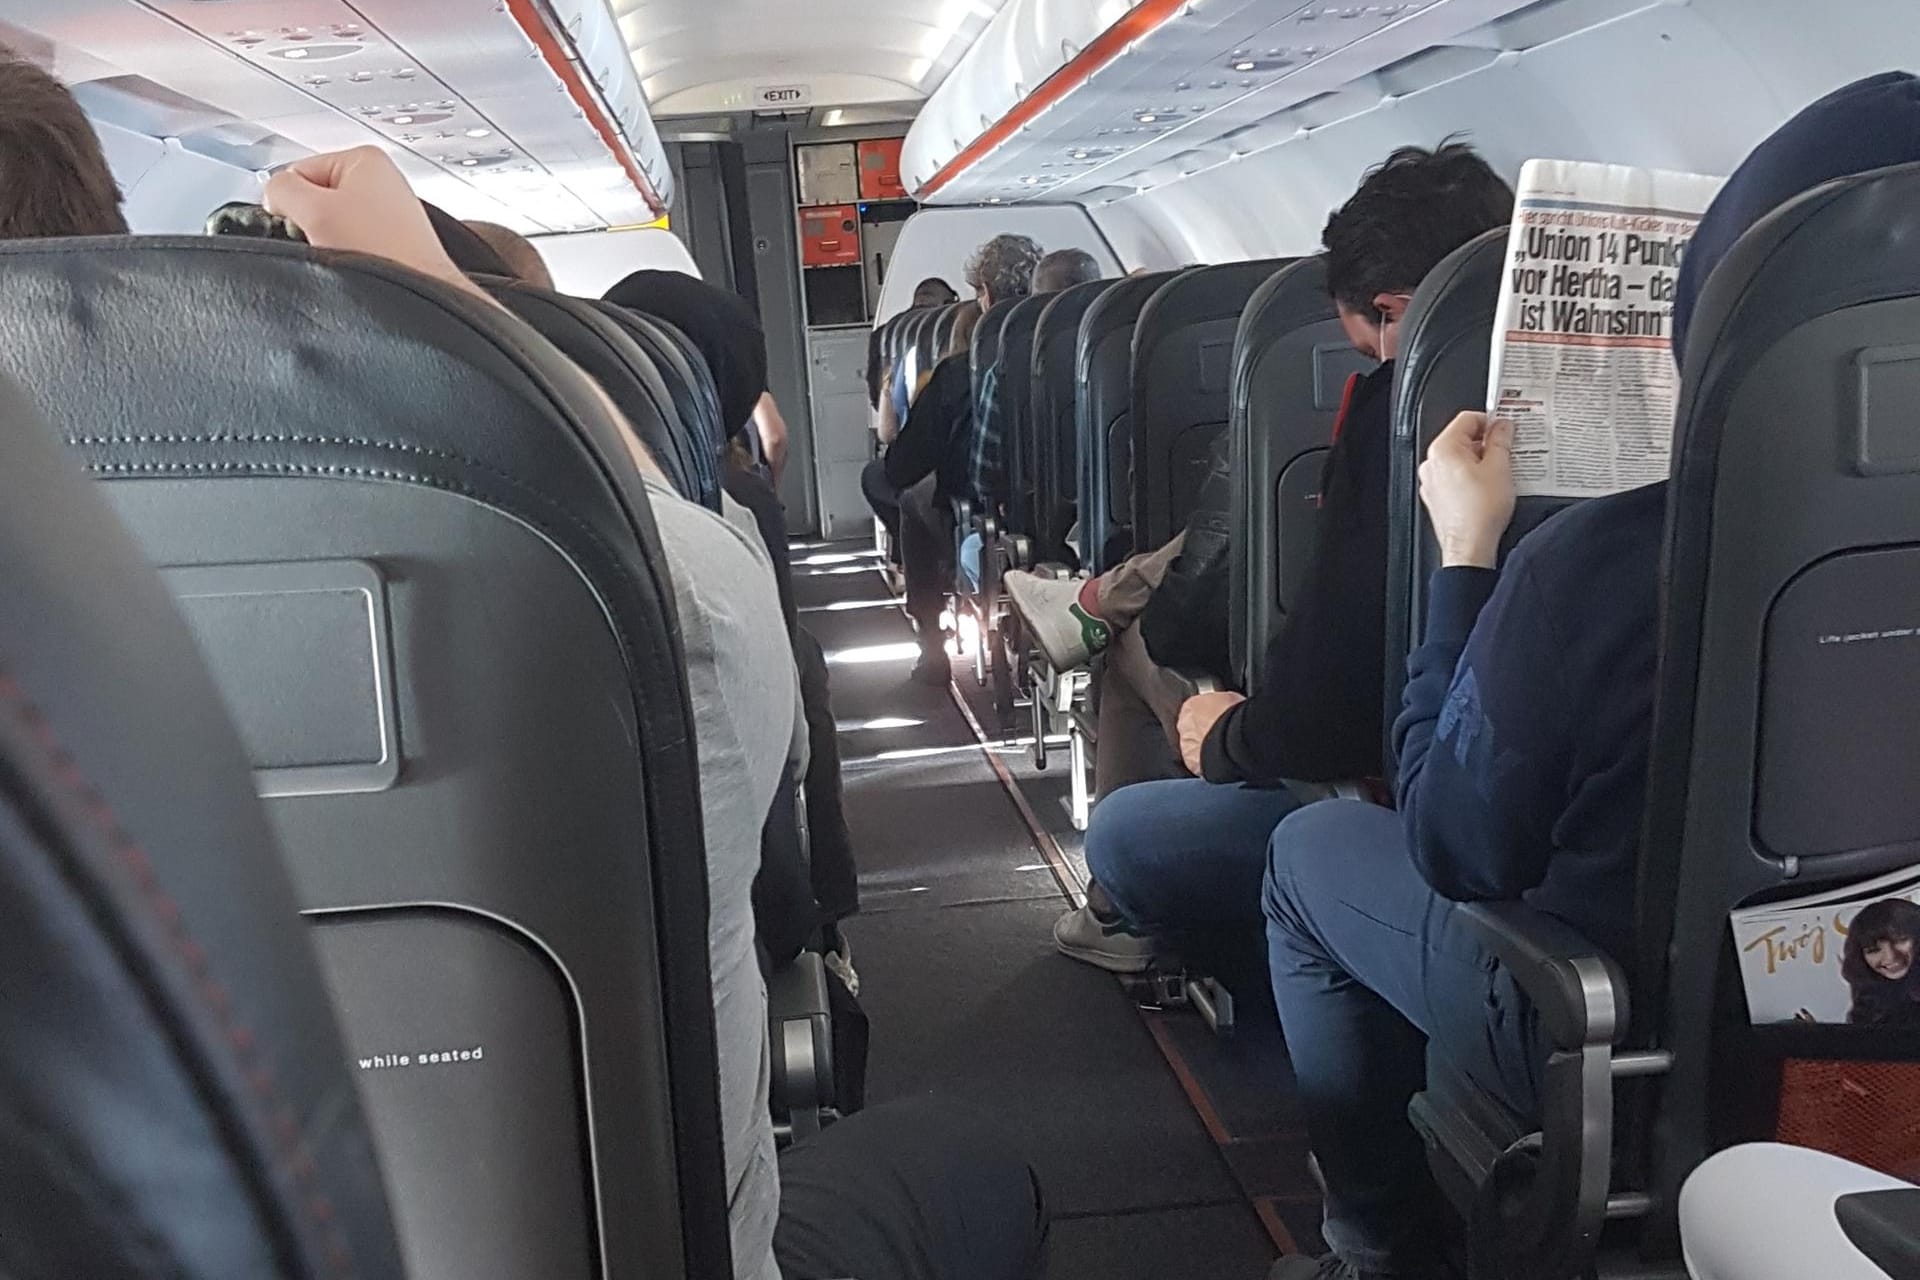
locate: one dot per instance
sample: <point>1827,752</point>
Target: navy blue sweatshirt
<point>1524,733</point>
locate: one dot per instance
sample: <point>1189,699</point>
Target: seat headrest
<point>181,357</point>
<point>174,1096</point>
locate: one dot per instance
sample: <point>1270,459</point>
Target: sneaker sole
<point>1072,661</point>
<point>1104,959</point>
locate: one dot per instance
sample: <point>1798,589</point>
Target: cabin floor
<point>1164,1150</point>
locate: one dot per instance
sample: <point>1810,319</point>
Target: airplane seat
<point>798,1015</point>
<point>613,355</point>
<point>900,338</point>
<point>1445,346</point>
<point>699,432</point>
<point>943,327</point>
<point>1016,396</point>
<point>985,350</point>
<point>884,348</point>
<point>1012,547</point>
<point>1765,1211</point>
<point>413,545</point>
<point>1446,341</point>
<point>926,343</point>
<point>1103,364</point>
<point>177,1097</point>
<point>1180,379</point>
<point>1043,477</point>
<point>1780,747</point>
<point>1054,458</point>
<point>685,364</point>
<point>910,356</point>
<point>1292,362</point>
<point>971,595</point>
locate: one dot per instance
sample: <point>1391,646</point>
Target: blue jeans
<point>1368,963</point>
<point>1182,858</point>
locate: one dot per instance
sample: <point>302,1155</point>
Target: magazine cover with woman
<point>1851,955</point>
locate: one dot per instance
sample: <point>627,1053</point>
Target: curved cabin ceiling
<point>526,112</point>
<point>706,57</point>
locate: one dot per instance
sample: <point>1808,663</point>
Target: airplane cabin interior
<point>959,639</point>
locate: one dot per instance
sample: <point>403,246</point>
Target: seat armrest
<point>1191,682</point>
<point>1579,992</point>
<point>800,1026</point>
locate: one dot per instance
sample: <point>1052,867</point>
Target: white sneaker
<point>1050,607</point>
<point>1106,944</point>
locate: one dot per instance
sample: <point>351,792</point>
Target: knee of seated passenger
<point>1307,841</point>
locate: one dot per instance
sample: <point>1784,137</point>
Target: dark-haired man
<point>1180,859</point>
<point>54,179</point>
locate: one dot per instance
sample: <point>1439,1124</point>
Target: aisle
<point>969,1001</point>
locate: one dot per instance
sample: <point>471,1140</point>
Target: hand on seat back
<point>1466,483</point>
<point>773,433</point>
<point>359,200</point>
<point>1198,715</point>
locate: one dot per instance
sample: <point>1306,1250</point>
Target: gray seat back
<point>1783,747</point>
<point>423,568</point>
<point>687,375</point>
<point>1016,400</point>
<point>1446,339</point>
<point>1103,413</point>
<point>1181,378</point>
<point>1292,362</point>
<point>174,1095</point>
<point>1053,441</point>
<point>608,351</point>
<point>986,348</point>
<point>943,324</point>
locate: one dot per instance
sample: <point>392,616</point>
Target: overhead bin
<point>1088,99</point>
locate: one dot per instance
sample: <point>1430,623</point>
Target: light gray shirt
<point>741,676</point>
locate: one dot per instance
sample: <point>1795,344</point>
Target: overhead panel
<point>523,110</point>
<point>708,57</point>
<point>1090,100</point>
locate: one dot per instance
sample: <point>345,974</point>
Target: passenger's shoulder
<point>696,538</point>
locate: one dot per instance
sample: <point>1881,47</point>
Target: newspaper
<point>1800,960</point>
<point>1582,361</point>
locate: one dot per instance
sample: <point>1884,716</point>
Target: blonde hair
<point>960,341</point>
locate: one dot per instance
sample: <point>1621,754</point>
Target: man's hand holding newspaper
<point>1466,483</point>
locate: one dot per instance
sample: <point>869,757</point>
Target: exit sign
<point>783,95</point>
